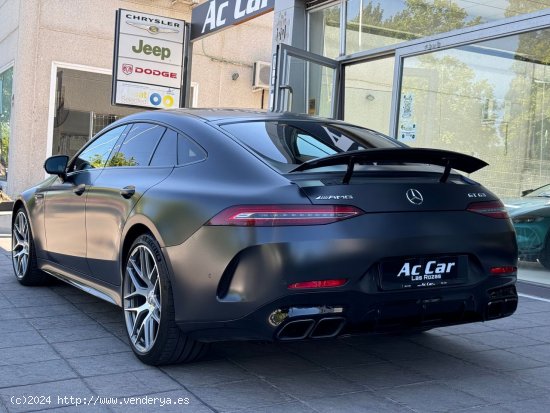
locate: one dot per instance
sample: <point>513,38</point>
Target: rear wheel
<point>23,254</point>
<point>149,308</point>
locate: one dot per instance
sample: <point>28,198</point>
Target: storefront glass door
<point>368,93</point>
<point>306,82</point>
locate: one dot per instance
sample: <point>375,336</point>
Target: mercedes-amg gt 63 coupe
<point>211,225</point>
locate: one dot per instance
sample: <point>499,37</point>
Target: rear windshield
<point>285,144</point>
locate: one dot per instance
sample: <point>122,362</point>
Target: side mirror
<point>57,165</point>
<point>526,192</point>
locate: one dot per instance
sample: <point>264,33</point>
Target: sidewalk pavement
<point>57,342</point>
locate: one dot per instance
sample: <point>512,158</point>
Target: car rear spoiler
<point>448,159</point>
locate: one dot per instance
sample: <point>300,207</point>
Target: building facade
<point>56,62</point>
<point>467,75</point>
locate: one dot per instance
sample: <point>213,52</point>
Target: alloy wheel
<point>142,300</point>
<point>20,244</point>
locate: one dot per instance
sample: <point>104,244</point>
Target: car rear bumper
<point>228,281</point>
<point>325,315</point>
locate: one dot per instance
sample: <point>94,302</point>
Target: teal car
<point>531,217</point>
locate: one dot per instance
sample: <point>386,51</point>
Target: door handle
<point>128,191</point>
<point>79,190</point>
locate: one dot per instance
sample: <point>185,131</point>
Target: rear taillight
<point>283,215</point>
<point>504,270</point>
<point>493,209</point>
<point>318,284</point>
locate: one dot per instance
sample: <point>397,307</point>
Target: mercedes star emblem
<point>414,196</point>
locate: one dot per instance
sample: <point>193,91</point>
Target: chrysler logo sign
<point>414,196</point>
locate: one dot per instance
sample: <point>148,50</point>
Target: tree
<point>6,79</point>
<point>418,18</point>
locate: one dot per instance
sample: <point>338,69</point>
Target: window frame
<point>72,161</point>
<point>122,138</point>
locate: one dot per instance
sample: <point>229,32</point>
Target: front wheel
<point>23,254</point>
<point>149,308</point>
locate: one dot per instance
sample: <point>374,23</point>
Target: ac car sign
<point>215,15</point>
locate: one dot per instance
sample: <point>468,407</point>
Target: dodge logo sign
<point>414,196</point>
<point>127,69</point>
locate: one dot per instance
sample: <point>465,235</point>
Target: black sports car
<point>208,225</point>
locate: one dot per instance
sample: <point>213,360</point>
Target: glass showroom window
<point>324,31</point>
<point>82,108</point>
<point>372,24</point>
<point>491,99</point>
<point>6,90</point>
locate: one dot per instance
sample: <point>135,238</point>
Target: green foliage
<point>120,160</point>
<point>4,146</point>
<point>516,7</point>
<point>422,18</point>
<point>448,117</point>
<point>5,114</point>
<point>5,94</point>
<point>417,19</point>
<point>97,161</point>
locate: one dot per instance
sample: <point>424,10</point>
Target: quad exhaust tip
<point>328,327</point>
<point>296,330</point>
<point>300,329</point>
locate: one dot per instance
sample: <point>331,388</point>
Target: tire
<point>23,253</point>
<point>544,257</point>
<point>148,304</point>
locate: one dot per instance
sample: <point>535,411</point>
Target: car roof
<point>220,115</point>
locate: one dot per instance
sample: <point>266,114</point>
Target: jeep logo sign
<point>162,52</point>
<point>215,15</point>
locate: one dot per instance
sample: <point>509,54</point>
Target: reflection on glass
<point>6,92</point>
<point>311,87</point>
<point>531,217</point>
<point>371,24</point>
<point>368,94</point>
<point>82,109</point>
<point>324,31</point>
<point>491,100</point>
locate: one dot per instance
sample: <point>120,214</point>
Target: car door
<point>65,203</point>
<point>127,176</point>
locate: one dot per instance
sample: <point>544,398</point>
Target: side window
<point>166,153</point>
<point>97,153</point>
<point>189,151</point>
<point>138,146</point>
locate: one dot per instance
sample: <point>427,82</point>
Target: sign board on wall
<point>215,15</point>
<point>148,60</point>
<point>407,124</point>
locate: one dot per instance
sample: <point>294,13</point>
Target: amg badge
<point>334,197</point>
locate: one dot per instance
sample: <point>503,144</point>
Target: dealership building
<point>465,75</point>
<point>56,62</point>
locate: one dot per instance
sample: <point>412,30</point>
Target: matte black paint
<point>227,280</point>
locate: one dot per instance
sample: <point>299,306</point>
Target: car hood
<point>538,206</point>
